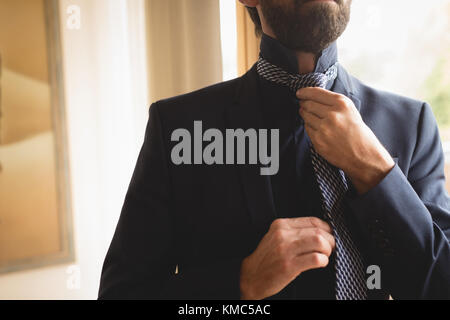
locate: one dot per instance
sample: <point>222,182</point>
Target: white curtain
<point>184,46</point>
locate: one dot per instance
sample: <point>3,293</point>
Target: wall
<point>107,105</point>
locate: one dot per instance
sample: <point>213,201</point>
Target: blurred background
<point>77,78</point>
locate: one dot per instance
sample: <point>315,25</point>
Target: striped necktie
<point>349,266</point>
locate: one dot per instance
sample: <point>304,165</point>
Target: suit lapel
<point>344,85</point>
<point>245,114</point>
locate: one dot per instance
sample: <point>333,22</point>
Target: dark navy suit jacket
<point>207,219</point>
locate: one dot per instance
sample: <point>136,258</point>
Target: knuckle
<point>336,120</point>
<point>341,98</point>
<point>337,95</point>
<point>325,261</point>
<point>318,260</point>
<point>332,117</point>
<point>342,102</point>
<point>317,232</point>
<point>315,259</point>
<point>277,224</point>
<point>279,236</point>
<point>317,238</point>
<point>315,221</point>
<point>323,245</point>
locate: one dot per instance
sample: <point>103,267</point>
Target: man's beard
<point>308,28</point>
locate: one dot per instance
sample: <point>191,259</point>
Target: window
<point>228,34</point>
<point>404,47</point>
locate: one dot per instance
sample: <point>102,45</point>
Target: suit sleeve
<point>407,220</point>
<point>142,259</point>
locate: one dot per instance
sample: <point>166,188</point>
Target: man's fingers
<point>308,222</point>
<point>310,261</point>
<point>310,131</point>
<point>316,233</point>
<point>300,241</point>
<point>310,119</point>
<point>318,94</point>
<point>318,109</point>
<point>315,243</point>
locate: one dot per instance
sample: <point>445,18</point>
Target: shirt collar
<point>277,54</point>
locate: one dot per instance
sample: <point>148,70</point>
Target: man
<point>360,185</point>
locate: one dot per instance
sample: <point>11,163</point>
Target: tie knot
<point>308,80</point>
<point>277,75</point>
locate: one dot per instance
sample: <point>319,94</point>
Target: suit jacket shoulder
<point>200,105</point>
<point>388,103</point>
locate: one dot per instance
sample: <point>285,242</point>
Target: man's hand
<point>339,135</point>
<point>291,247</point>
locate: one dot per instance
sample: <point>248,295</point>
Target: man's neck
<point>297,62</point>
<point>306,62</point>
